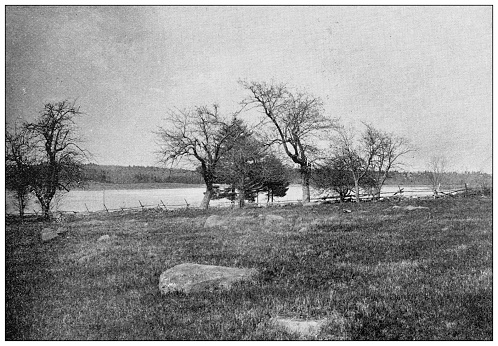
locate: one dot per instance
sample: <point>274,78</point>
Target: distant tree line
<point>111,174</point>
<point>450,180</point>
<point>333,180</point>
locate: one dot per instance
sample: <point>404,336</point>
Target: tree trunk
<point>45,205</point>
<point>207,197</point>
<point>305,182</point>
<point>376,192</point>
<point>242,195</point>
<point>22,204</point>
<point>357,190</point>
<point>242,198</point>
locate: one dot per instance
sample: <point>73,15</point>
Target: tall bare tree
<point>387,150</point>
<point>356,157</point>
<point>59,155</point>
<point>370,157</point>
<point>296,119</point>
<point>201,134</point>
<point>19,155</point>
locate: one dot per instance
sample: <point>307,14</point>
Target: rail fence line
<point>363,197</point>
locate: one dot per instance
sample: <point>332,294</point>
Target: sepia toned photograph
<point>248,173</point>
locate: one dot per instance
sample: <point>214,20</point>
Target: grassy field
<point>377,273</point>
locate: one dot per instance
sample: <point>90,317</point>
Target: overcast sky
<point>421,72</point>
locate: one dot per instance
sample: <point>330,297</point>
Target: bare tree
<point>296,119</point>
<point>437,169</point>
<point>18,160</point>
<point>201,134</point>
<point>357,158</point>
<point>370,158</point>
<point>387,149</point>
<point>59,157</point>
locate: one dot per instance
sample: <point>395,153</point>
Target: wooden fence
<point>400,194</point>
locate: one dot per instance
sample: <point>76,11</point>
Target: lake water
<point>82,201</point>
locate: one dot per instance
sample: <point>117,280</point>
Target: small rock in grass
<point>48,234</point>
<point>410,207</point>
<point>273,219</point>
<point>61,230</point>
<point>105,237</point>
<point>215,221</point>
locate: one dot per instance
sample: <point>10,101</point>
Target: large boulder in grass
<point>192,277</point>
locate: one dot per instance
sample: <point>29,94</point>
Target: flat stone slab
<point>192,277</point>
<point>410,207</point>
<point>300,326</point>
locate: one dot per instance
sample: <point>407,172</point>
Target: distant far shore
<point>95,186</point>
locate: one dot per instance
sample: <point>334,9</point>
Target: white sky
<point>424,73</point>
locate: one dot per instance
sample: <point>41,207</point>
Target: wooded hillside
<point>139,174</point>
